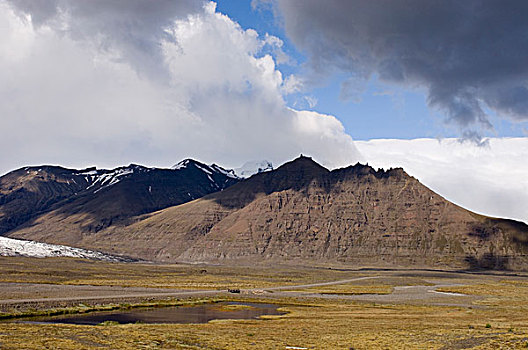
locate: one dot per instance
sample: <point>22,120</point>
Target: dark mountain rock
<point>26,192</point>
<point>103,197</point>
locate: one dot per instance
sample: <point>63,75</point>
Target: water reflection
<point>177,314</point>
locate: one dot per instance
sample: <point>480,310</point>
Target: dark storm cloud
<point>470,55</point>
<point>133,27</point>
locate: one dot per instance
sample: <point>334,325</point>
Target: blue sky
<point>382,110</point>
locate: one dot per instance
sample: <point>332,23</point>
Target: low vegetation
<point>83,308</point>
<point>434,322</point>
<point>507,294</point>
<point>178,276</point>
<point>320,325</point>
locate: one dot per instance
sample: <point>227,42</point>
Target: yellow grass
<point>500,302</point>
<point>321,325</point>
<point>349,289</point>
<point>507,294</point>
<point>178,276</point>
<point>234,307</point>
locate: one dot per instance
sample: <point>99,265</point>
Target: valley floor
<point>326,308</point>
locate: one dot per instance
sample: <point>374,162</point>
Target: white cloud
<point>311,100</point>
<point>326,137</point>
<point>292,84</point>
<point>489,179</point>
<point>275,45</point>
<point>78,89</point>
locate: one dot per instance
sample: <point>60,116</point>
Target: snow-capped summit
<point>183,164</point>
<point>208,169</point>
<point>253,167</point>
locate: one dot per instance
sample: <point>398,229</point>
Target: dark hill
<point>26,192</point>
<point>102,197</point>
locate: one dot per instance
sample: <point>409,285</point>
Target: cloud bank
<point>92,83</point>
<point>490,180</point>
<point>470,56</point>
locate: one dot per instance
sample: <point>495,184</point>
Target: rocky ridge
<point>103,197</point>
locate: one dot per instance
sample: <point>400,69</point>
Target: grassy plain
<point>495,315</point>
<point>66,271</point>
<point>348,289</point>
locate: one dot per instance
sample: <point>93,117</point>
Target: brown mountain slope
<point>92,199</point>
<point>302,212</point>
<point>28,191</point>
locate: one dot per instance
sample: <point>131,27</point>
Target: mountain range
<point>299,213</point>
<point>100,198</point>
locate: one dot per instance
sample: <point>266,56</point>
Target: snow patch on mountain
<point>227,172</point>
<point>204,169</point>
<point>247,170</point>
<point>95,180</point>
<point>208,169</point>
<point>101,178</point>
<point>253,167</point>
<point>182,165</point>
<point>109,179</point>
<point>17,247</point>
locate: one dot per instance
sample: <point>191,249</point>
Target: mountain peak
<point>208,169</point>
<point>296,174</point>
<point>304,164</point>
<point>183,164</point>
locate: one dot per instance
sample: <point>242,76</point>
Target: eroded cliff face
<point>303,213</point>
<point>359,216</point>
